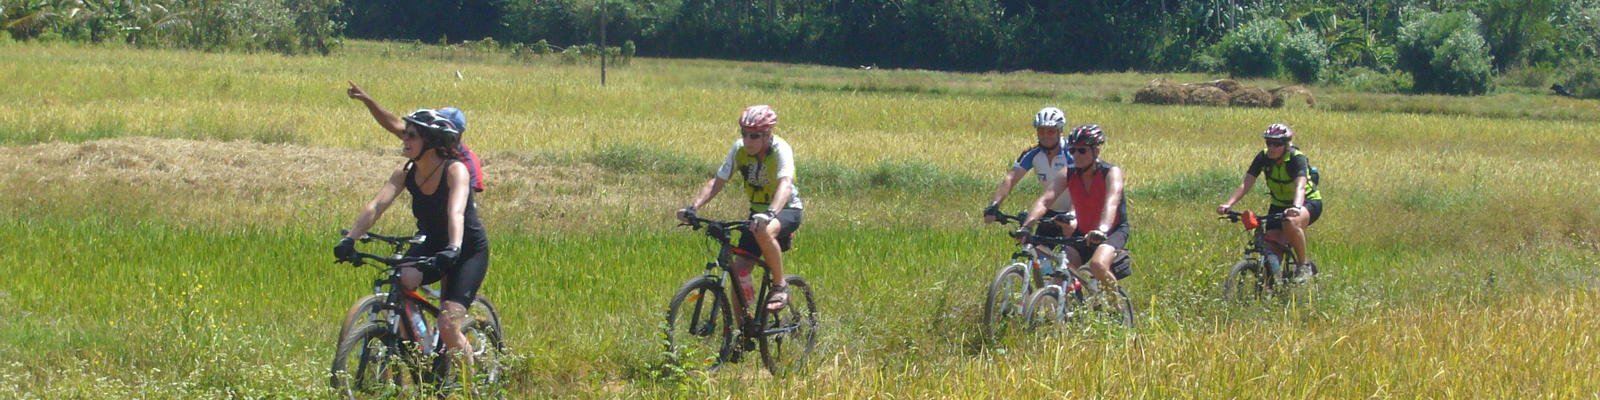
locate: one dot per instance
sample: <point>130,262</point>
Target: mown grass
<point>1461,251</point>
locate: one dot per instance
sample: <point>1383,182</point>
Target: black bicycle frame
<point>397,294</point>
<point>722,232</point>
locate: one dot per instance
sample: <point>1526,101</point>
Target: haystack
<point>1208,96</point>
<point>1159,91</point>
<point>1251,96</point>
<point>1287,94</point>
<point>1227,85</point>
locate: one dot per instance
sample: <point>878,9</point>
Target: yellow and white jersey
<point>761,172</point>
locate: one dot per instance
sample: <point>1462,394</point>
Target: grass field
<point>168,219</point>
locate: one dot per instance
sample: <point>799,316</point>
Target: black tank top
<point>433,213</point>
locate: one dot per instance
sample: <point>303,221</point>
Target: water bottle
<point>1271,261</point>
<point>746,288</point>
<point>1045,266</point>
<point>422,331</point>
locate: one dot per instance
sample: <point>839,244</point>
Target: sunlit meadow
<point>168,219</point>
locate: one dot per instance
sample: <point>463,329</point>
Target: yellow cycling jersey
<point>761,173</point>
<point>1281,174</point>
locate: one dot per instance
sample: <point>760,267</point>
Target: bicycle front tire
<point>374,353</point>
<point>792,331</point>
<point>1003,307</point>
<point>699,327</point>
<point>1245,282</point>
<point>1044,307</point>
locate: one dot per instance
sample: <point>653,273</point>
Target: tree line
<point>1435,46</point>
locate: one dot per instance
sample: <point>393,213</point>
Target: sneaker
<point>1306,272</point>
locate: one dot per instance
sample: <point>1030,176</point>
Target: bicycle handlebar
<point>697,223</point>
<point>1017,218</point>
<point>395,240</point>
<point>1235,216</point>
<point>1056,240</point>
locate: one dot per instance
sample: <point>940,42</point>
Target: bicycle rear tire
<point>487,351</point>
<point>1007,292</point>
<point>786,352</point>
<point>699,325</point>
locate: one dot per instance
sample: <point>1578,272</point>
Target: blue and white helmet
<point>1050,117</point>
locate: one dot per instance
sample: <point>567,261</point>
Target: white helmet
<point>1050,117</point>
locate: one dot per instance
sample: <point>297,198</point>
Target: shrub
<point>1367,80</point>
<point>1444,53</point>
<point>1585,81</point>
<point>1305,56</point>
<point>1255,48</point>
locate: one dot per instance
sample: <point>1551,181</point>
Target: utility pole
<point>602,42</point>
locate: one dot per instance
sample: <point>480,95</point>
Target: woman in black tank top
<point>442,202</point>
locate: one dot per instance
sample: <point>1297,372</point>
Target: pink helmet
<point>758,118</point>
<point>1278,131</point>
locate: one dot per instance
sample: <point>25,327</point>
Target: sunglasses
<point>1080,150</point>
<point>1276,143</point>
<point>753,135</point>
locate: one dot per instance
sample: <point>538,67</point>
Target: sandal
<point>779,298</point>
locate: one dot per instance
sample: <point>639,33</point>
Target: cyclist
<point>1046,159</point>
<point>437,180</point>
<point>1096,189</point>
<point>395,125</point>
<point>1288,173</point>
<point>767,164</point>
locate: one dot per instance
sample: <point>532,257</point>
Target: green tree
<point>1444,53</point>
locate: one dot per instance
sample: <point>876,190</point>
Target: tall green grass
<point>1453,245</point>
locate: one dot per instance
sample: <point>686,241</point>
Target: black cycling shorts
<point>1312,206</point>
<point>461,281</point>
<point>790,220</point>
<point>1117,238</point>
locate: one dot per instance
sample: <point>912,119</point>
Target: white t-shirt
<point>1048,169</point>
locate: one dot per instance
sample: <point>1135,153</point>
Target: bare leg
<point>772,252</point>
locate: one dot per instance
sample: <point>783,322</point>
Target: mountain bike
<point>1262,270</point>
<point>1011,286</point>
<point>1078,298</point>
<point>389,341</point>
<point>701,324</point>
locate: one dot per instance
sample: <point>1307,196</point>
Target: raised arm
<point>386,119</point>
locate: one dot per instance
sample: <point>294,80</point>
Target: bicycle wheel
<point>1044,307</point>
<point>484,310</point>
<point>360,311</point>
<point>791,332</point>
<point>1122,309</point>
<point>366,363</point>
<point>1003,307</point>
<point>488,365</point>
<point>1245,282</point>
<point>699,325</point>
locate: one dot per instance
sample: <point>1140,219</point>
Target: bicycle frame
<point>401,305</point>
<point>1262,244</point>
<point>1072,276</point>
<point>722,234</point>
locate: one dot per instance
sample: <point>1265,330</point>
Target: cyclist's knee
<point>453,313</point>
<point>411,278</point>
